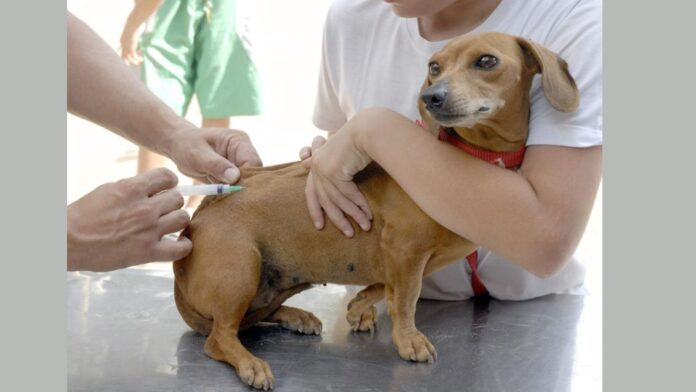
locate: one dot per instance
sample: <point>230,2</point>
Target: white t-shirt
<point>372,57</point>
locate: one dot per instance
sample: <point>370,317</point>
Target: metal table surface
<point>125,334</point>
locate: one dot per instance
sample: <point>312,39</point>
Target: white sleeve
<point>328,114</point>
<point>577,39</point>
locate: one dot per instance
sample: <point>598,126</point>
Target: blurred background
<point>287,40</point>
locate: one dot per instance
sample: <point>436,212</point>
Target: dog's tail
<point>194,319</point>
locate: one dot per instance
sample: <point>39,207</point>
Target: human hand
<point>330,185</point>
<point>121,224</point>
<point>211,154</point>
<point>306,151</point>
<point>129,46</point>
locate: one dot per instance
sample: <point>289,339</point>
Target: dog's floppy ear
<point>559,86</point>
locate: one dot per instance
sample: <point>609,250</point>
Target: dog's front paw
<point>364,321</point>
<point>414,346</point>
<point>256,373</point>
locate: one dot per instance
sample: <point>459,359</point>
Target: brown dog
<point>256,248</point>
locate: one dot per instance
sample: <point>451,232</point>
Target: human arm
<point>577,38</point>
<point>534,218</point>
<point>103,90</point>
<point>121,224</point>
<point>142,11</point>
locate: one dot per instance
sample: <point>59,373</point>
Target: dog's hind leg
<point>296,319</point>
<point>362,314</point>
<point>232,297</point>
<point>194,319</point>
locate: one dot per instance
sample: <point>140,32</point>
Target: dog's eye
<point>434,68</point>
<point>486,61</point>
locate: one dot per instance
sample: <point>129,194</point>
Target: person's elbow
<point>552,252</point>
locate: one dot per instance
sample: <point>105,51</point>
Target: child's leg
<point>148,160</point>
<point>224,122</point>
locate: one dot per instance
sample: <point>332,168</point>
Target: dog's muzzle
<point>435,98</point>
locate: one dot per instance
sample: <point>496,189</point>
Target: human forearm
<point>534,218</point>
<point>103,90</point>
<point>141,12</point>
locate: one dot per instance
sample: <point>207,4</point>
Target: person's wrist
<point>364,129</point>
<point>172,136</point>
<point>132,24</point>
<point>129,30</point>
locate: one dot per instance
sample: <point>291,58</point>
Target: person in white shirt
<point>375,56</point>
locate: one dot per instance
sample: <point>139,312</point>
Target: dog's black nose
<point>435,97</point>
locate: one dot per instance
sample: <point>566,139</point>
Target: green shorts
<point>187,52</point>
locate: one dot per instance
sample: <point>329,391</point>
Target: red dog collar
<point>504,159</point>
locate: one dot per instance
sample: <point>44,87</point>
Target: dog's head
<point>478,85</point>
